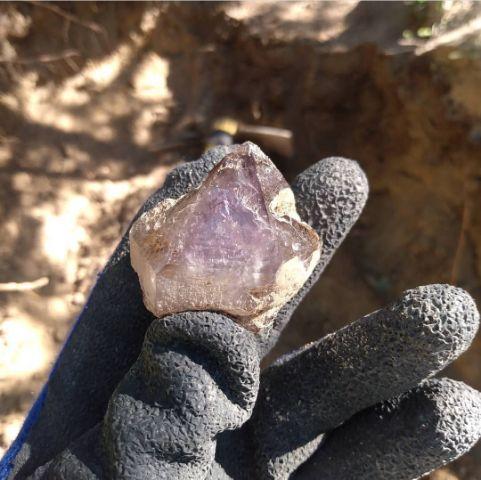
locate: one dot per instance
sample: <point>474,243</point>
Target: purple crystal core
<point>223,245</point>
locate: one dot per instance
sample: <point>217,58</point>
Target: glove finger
<point>330,196</point>
<point>109,331</point>
<point>197,376</point>
<point>403,438</point>
<point>381,355</point>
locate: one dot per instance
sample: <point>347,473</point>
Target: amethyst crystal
<point>235,244</point>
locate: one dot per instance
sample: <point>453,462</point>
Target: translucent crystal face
<point>235,244</point>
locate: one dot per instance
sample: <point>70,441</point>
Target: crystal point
<point>235,244</point>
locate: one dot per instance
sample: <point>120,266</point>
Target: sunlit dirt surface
<point>74,168</point>
<point>99,100</point>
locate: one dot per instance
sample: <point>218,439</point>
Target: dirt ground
<point>98,101</point>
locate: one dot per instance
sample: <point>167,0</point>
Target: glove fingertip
<point>447,316</point>
<point>330,196</point>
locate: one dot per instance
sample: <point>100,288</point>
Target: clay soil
<point>98,101</point>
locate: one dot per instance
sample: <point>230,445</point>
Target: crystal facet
<point>235,244</point>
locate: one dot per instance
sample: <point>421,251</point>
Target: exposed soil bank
<point>90,97</point>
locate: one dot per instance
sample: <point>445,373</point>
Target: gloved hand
<point>182,397</point>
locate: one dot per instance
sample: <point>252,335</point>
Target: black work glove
<point>182,397</point>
